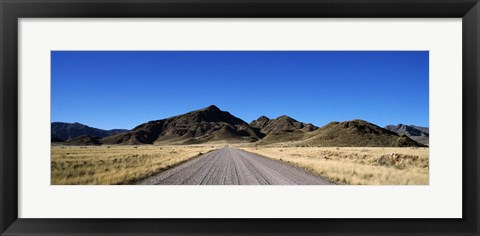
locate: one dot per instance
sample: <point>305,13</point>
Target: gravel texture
<point>229,166</point>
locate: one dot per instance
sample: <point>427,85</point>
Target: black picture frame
<point>12,10</point>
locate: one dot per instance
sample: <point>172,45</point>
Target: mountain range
<point>200,126</point>
<point>417,133</point>
<point>62,131</point>
<point>211,124</point>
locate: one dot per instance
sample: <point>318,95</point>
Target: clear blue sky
<point>108,89</point>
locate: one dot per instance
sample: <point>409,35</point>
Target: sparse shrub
<point>398,161</point>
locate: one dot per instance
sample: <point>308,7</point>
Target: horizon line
<point>239,118</point>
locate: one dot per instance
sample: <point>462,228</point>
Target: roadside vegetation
<point>356,165</point>
<point>126,164</point>
<point>105,165</point>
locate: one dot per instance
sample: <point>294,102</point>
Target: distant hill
<point>83,140</point>
<point>61,131</point>
<point>205,125</point>
<point>260,123</point>
<point>281,129</point>
<point>357,133</point>
<point>417,133</point>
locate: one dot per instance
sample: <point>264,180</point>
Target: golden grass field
<point>356,165</point>
<point>116,164</point>
<point>348,165</point>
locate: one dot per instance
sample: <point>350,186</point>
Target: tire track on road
<point>229,166</point>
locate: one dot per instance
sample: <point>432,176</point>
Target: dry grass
<point>116,164</point>
<point>364,166</point>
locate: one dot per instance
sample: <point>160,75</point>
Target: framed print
<point>179,117</point>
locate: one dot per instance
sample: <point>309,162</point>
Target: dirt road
<point>229,166</point>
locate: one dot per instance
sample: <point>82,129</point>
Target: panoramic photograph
<point>239,118</point>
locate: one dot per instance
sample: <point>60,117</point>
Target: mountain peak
<point>285,117</point>
<point>199,126</point>
<point>263,118</point>
<point>417,133</point>
<point>284,123</point>
<point>211,114</point>
<point>211,108</point>
<point>260,122</point>
<point>78,124</point>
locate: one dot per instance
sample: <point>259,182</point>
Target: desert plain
<point>128,164</point>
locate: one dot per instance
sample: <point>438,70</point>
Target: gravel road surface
<point>229,166</point>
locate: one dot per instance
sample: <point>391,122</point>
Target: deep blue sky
<point>107,90</point>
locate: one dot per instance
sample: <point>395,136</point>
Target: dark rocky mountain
<point>200,126</point>
<point>286,124</point>
<point>282,129</point>
<point>83,140</point>
<point>260,123</point>
<point>410,130</point>
<point>357,133</point>
<point>61,131</point>
<point>417,133</point>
